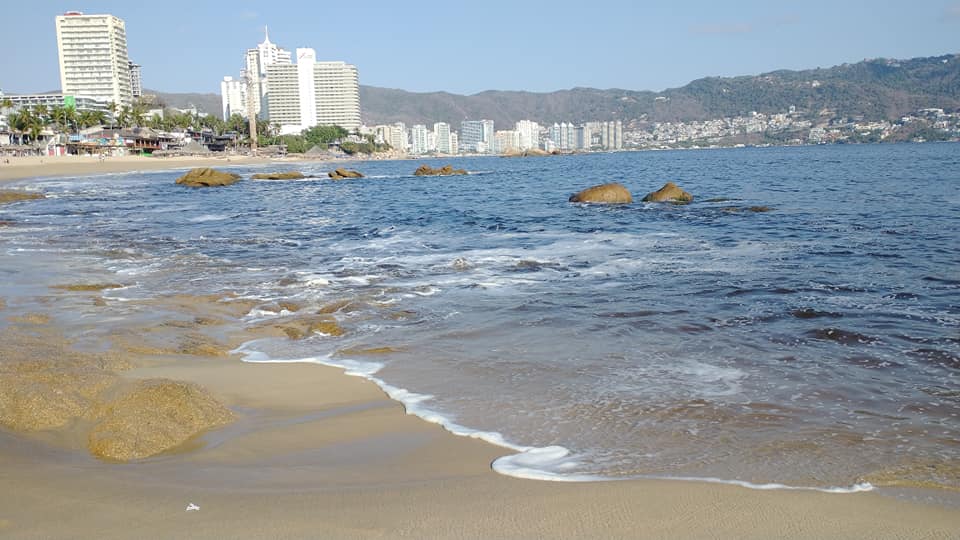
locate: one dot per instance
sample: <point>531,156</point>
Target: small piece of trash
<point>191,507</point>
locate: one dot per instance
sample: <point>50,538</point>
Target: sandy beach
<point>314,453</point>
<point>45,166</point>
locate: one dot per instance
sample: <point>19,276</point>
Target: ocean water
<point>813,345</point>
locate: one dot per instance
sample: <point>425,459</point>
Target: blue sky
<point>468,47</point>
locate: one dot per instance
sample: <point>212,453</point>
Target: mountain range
<point>874,89</point>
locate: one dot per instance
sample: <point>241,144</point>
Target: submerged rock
<point>341,173</point>
<point>670,192</point>
<point>207,177</point>
<point>604,194</point>
<point>87,287</point>
<point>156,415</point>
<point>16,196</point>
<point>289,175</point>
<point>41,395</point>
<point>446,170</point>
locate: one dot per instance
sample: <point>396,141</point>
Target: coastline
<point>22,168</point>
<point>317,453</point>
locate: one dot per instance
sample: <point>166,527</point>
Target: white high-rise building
<point>419,141</point>
<point>256,62</point>
<point>136,82</point>
<point>476,136</point>
<point>233,94</point>
<point>441,134</point>
<point>529,133</point>
<point>311,93</point>
<point>283,98</point>
<point>93,57</point>
<point>337,91</point>
<point>506,141</point>
<point>398,137</point>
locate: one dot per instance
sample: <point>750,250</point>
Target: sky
<point>469,47</point>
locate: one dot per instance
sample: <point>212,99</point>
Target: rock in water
<point>341,173</point>
<point>15,196</point>
<point>604,194</point>
<point>207,177</point>
<point>289,175</point>
<point>668,193</point>
<point>157,415</point>
<point>446,170</point>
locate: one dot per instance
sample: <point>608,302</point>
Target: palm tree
<point>138,113</point>
<point>155,122</point>
<point>18,123</point>
<point>91,118</point>
<point>124,117</point>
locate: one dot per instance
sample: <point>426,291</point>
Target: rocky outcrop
<point>155,416</point>
<point>41,395</point>
<point>670,192</point>
<point>87,287</point>
<point>289,175</point>
<point>604,194</point>
<point>532,152</point>
<point>16,196</point>
<point>207,177</point>
<point>341,173</point>
<point>446,170</point>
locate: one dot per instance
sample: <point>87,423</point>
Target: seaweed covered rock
<point>604,194</point>
<point>670,192</point>
<point>289,175</point>
<point>9,196</point>
<point>446,170</point>
<point>156,415</point>
<point>207,177</point>
<point>341,173</point>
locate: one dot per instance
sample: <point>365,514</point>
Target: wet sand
<point>315,453</point>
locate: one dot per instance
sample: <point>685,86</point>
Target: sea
<point>796,326</point>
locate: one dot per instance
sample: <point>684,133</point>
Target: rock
<point>207,177</point>
<point>532,152</point>
<point>668,193</point>
<point>327,327</point>
<point>16,196</point>
<point>87,287</point>
<point>755,209</point>
<point>341,173</point>
<point>41,395</point>
<point>604,194</point>
<point>446,170</point>
<point>289,175</point>
<point>156,415</point>
<point>304,327</point>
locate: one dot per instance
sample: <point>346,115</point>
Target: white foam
<point>208,217</point>
<point>546,463</point>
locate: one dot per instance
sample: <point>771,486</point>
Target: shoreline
<point>316,452</point>
<point>25,168</point>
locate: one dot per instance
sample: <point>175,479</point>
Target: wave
<point>548,463</point>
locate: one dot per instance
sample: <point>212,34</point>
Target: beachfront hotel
<point>311,93</point>
<point>254,75</point>
<point>296,96</point>
<point>93,57</point>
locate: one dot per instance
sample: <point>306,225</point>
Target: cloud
<point>249,14</point>
<point>951,13</point>
<point>724,28</point>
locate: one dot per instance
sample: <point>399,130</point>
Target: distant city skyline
<point>494,45</point>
